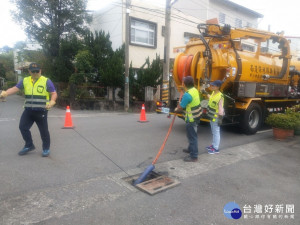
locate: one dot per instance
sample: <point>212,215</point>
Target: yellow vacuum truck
<point>257,69</point>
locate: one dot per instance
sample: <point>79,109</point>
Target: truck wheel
<point>252,119</point>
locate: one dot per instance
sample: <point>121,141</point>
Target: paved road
<point>81,182</point>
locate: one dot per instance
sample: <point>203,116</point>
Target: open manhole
<point>154,182</point>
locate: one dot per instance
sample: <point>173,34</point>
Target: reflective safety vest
<point>36,95</point>
<point>193,110</point>
<point>213,105</point>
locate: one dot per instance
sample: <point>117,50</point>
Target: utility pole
<point>269,28</point>
<point>126,91</point>
<point>166,65</point>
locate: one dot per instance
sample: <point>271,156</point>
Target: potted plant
<point>295,113</point>
<point>297,128</point>
<point>283,125</point>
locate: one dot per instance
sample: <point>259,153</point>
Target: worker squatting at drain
<point>191,103</point>
<point>40,96</point>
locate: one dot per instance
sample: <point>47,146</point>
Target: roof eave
<point>232,4</point>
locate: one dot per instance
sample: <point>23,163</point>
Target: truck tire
<point>252,119</point>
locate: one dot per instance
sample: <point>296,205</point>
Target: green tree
<point>99,45</point>
<point>83,61</point>
<point>150,74</point>
<point>114,74</point>
<point>49,21</point>
<point>83,64</point>
<point>7,65</point>
<point>68,51</point>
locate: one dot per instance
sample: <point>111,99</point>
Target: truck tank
<point>255,67</point>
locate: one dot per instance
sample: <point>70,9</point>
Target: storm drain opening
<point>154,182</point>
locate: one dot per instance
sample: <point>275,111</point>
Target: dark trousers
<point>191,131</point>
<point>30,116</point>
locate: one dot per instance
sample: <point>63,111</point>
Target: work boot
<point>46,152</point>
<point>190,159</point>
<point>25,150</point>
<point>186,150</point>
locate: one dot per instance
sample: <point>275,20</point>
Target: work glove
<point>50,104</point>
<point>3,95</point>
<point>220,119</point>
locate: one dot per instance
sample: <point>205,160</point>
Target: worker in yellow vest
<point>190,102</point>
<point>215,113</point>
<point>40,96</point>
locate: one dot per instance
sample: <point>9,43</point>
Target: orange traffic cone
<point>143,115</point>
<point>68,119</point>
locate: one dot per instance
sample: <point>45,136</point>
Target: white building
<point>226,11</point>
<point>147,24</point>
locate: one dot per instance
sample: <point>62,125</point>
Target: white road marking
<point>264,131</point>
<point>81,115</point>
<point>6,119</point>
<point>207,162</point>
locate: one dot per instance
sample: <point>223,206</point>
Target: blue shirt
<point>186,99</point>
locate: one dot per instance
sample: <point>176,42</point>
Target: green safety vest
<point>193,110</point>
<point>36,95</point>
<point>213,105</point>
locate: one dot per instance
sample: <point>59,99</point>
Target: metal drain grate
<point>157,184</point>
<point>154,182</point>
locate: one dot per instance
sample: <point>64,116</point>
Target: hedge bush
<point>280,120</point>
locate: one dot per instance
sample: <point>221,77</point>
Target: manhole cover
<point>154,182</point>
<point>157,185</point>
<point>132,178</point>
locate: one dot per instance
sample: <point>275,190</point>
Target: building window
<point>222,18</point>
<point>238,23</point>
<point>142,32</point>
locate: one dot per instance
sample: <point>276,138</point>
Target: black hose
<point>207,54</point>
<point>227,96</point>
<point>284,51</point>
<point>238,62</point>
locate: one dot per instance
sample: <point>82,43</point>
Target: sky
<point>280,15</point>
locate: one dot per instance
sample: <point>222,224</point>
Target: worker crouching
<point>190,102</point>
